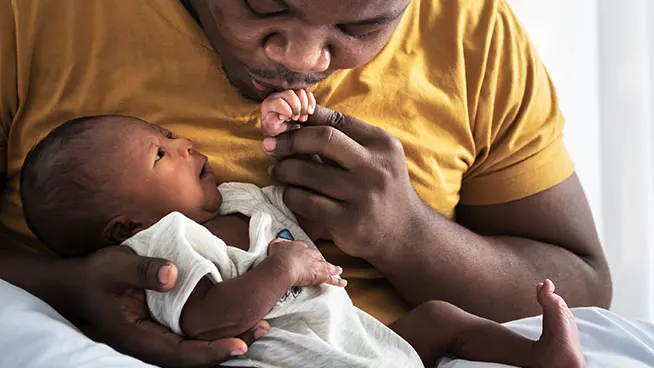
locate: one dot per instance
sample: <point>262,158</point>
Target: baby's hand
<point>284,110</point>
<point>307,265</point>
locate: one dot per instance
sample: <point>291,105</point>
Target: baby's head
<point>96,181</point>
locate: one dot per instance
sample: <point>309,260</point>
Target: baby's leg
<point>437,327</point>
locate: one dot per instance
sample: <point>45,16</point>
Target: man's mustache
<point>283,74</point>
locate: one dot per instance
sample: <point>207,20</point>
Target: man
<point>466,193</point>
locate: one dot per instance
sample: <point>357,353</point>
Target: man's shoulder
<point>455,17</point>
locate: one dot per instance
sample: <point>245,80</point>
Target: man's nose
<point>299,50</point>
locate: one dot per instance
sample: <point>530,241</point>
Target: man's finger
<point>325,141</point>
<point>354,128</point>
<point>312,206</point>
<point>256,332</point>
<point>324,179</point>
<point>168,349</point>
<point>130,270</point>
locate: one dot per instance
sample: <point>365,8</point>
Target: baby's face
<point>163,174</point>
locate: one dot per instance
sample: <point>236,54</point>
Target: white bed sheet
<point>34,335</point>
<point>608,340</point>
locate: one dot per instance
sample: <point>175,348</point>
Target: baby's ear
<point>120,229</point>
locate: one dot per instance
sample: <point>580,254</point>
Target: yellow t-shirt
<point>459,84</point>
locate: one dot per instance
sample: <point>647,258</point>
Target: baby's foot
<point>559,345</point>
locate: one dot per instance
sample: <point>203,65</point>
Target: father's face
<point>274,45</point>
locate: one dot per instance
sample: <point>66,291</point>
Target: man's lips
<point>262,87</point>
<point>267,87</point>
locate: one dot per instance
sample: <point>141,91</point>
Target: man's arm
<point>38,273</point>
<point>103,295</point>
<point>491,263</point>
<point>373,212</point>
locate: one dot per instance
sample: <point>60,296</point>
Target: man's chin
<point>251,94</point>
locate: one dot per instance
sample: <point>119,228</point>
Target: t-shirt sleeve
<point>517,124</point>
<point>176,238</point>
<point>8,81</point>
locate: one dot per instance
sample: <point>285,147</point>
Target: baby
<point>241,255</point>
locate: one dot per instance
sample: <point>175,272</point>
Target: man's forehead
<point>346,11</point>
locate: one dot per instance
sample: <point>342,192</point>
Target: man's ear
<point>119,229</point>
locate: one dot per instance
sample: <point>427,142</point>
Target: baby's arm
<point>234,306</point>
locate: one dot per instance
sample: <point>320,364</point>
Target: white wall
<point>565,34</point>
<point>598,53</point>
<point>626,43</point>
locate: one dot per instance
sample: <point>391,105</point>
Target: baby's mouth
<point>204,171</point>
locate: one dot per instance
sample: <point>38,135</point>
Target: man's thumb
<point>149,273</point>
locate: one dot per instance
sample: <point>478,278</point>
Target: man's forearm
<point>41,275</point>
<point>494,277</point>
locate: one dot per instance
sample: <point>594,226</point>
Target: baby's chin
<point>211,208</point>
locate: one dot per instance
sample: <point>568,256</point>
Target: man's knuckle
<point>335,119</point>
<point>396,144</point>
<point>391,142</point>
<point>283,142</point>
<point>324,136</point>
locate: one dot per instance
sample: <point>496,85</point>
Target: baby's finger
<point>311,107</point>
<point>312,103</point>
<point>330,270</point>
<point>304,102</point>
<point>333,275</point>
<point>277,104</point>
<point>336,281</point>
<point>274,114</point>
<point>294,102</point>
<point>326,273</point>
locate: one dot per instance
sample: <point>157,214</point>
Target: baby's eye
<point>160,155</point>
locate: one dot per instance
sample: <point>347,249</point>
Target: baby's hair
<point>65,186</point>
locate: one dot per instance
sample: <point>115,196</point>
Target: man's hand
<point>365,197</point>
<point>307,265</point>
<point>112,304</point>
<point>486,264</point>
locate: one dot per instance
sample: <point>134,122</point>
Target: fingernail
<point>269,144</point>
<point>304,118</point>
<point>258,333</point>
<point>295,117</point>
<point>163,275</point>
<point>236,352</point>
<point>281,117</point>
<point>311,109</point>
<point>339,270</point>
